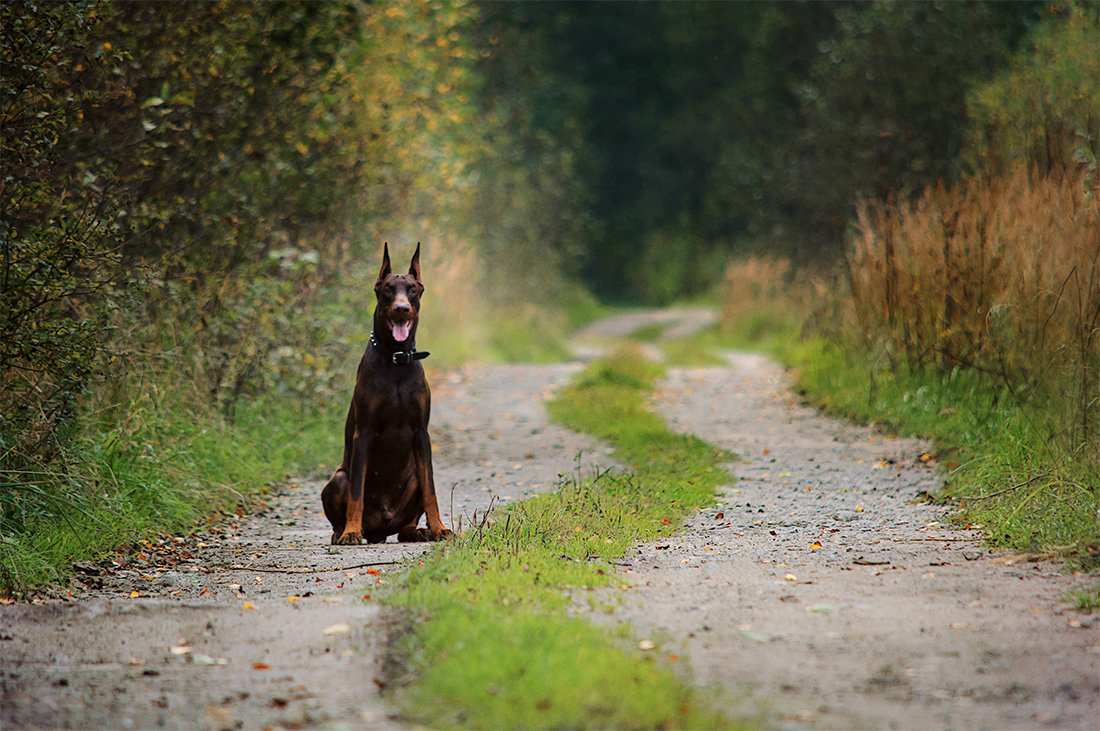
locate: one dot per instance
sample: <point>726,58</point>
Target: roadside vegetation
<point>492,643</point>
<point>194,200</point>
<point>970,313</point>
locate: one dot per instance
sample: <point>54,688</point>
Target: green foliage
<point>690,131</point>
<point>1044,110</point>
<point>180,183</point>
<point>497,647</point>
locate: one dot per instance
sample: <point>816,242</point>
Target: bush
<point>1045,110</point>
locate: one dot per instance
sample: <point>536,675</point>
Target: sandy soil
<point>893,621</point>
<point>824,585</point>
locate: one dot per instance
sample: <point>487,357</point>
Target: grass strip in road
<point>493,643</point>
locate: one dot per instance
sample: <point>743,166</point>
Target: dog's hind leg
<point>335,499</point>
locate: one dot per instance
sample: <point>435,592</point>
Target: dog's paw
<point>439,535</point>
<point>349,538</point>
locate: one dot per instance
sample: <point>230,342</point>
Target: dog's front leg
<point>426,483</point>
<point>353,525</point>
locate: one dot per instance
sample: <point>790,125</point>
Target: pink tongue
<point>400,331</point>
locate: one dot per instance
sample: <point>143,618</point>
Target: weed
<point>1088,600</point>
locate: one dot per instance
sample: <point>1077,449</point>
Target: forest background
<point>195,195</point>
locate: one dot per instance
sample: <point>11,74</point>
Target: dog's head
<point>398,296</point>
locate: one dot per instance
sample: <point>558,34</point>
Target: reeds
<point>1000,275</point>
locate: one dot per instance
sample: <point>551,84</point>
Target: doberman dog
<point>385,482</point>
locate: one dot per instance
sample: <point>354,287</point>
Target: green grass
<point>1088,601</point>
<point>159,463</point>
<point>498,647</point>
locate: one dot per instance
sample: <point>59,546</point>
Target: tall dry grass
<point>1001,275</point>
<point>766,297</point>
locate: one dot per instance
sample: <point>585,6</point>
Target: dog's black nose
<point>402,307</point>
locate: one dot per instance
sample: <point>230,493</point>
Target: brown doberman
<point>385,483</point>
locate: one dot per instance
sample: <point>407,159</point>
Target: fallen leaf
<point>200,659</point>
<point>292,599</point>
<point>814,546</point>
<point>134,594</point>
<point>204,592</point>
<point>821,608</point>
<point>261,666</point>
<point>180,649</point>
<point>720,516</point>
<point>336,629</point>
<point>790,577</point>
<point>249,605</point>
<point>647,645</point>
<point>375,572</point>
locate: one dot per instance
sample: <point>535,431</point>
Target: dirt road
<point>817,584</point>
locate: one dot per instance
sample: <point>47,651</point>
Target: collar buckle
<point>401,357</point>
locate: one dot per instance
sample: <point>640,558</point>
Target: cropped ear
<point>414,268</point>
<point>385,270</point>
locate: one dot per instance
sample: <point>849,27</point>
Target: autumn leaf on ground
<point>261,666</point>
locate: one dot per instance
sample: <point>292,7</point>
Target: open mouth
<point>400,330</point>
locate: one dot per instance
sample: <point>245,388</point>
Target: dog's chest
<point>399,405</point>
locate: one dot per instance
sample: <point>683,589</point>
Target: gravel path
<point>823,583</point>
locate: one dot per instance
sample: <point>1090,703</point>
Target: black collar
<point>400,357</point>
